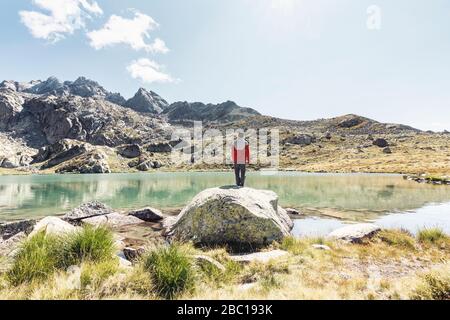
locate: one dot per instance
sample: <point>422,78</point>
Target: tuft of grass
<point>399,238</point>
<point>216,276</point>
<point>94,274</point>
<point>293,245</point>
<point>434,286</point>
<point>41,255</point>
<point>35,260</point>
<point>91,244</point>
<point>431,235</point>
<point>171,270</point>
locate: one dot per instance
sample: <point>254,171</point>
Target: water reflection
<point>354,196</point>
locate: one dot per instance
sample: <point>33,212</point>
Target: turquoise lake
<point>329,200</point>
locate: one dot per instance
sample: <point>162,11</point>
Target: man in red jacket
<point>241,157</point>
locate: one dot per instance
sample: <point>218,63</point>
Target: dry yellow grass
<point>394,265</point>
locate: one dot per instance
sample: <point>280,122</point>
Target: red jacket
<point>246,156</point>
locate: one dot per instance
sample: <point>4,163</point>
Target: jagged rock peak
<point>147,101</point>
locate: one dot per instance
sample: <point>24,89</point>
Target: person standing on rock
<point>241,157</point>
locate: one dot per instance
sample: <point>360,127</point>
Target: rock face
<point>147,214</point>
<point>147,101</point>
<point>355,233</point>
<point>159,147</point>
<point>88,210</point>
<point>239,217</point>
<point>90,162</point>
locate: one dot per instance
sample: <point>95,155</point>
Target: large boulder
<point>130,151</point>
<point>113,220</point>
<point>301,139</point>
<point>355,233</point>
<point>88,210</point>
<point>240,217</point>
<point>380,142</point>
<point>53,226</point>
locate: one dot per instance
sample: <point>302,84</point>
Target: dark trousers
<point>239,172</point>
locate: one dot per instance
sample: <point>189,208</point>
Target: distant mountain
<point>82,87</point>
<point>224,112</point>
<point>147,101</point>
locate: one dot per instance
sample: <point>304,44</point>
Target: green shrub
<point>435,286</point>
<point>431,235</point>
<point>91,244</point>
<point>171,270</point>
<point>35,260</point>
<point>398,238</point>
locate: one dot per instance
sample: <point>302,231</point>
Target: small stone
<point>201,259</point>
<point>147,214</point>
<point>321,247</point>
<point>133,254</point>
<point>293,212</point>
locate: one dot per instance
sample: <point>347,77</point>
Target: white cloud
<point>64,17</point>
<point>133,32</point>
<point>148,71</point>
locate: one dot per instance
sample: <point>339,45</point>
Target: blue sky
<point>296,59</point>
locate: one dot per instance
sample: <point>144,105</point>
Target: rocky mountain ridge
<point>39,117</point>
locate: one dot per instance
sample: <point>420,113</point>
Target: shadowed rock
<point>147,214</point>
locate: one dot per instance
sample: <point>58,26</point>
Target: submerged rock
<point>241,217</point>
<point>355,233</point>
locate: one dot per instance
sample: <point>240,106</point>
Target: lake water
<point>329,200</point>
